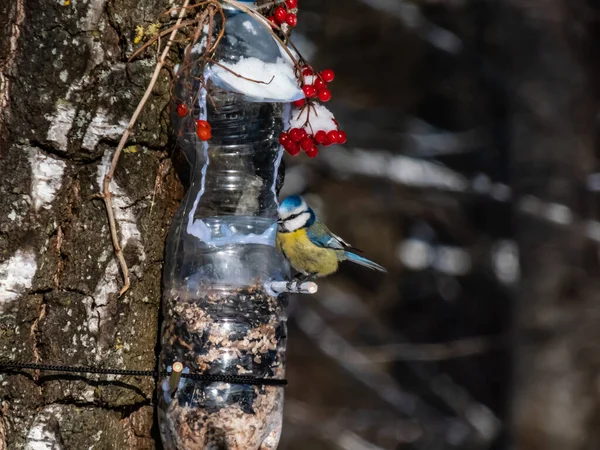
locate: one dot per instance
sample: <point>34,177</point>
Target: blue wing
<point>322,237</point>
<point>319,235</point>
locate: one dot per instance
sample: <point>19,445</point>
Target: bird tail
<point>364,262</point>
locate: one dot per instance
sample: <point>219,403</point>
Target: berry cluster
<point>297,138</point>
<point>312,124</point>
<point>315,85</point>
<point>283,15</point>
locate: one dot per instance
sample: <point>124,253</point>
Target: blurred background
<point>420,358</point>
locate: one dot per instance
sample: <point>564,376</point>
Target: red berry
<point>299,103</point>
<point>342,137</point>
<point>307,143</point>
<point>291,20</point>
<point>320,137</point>
<point>320,84</point>
<point>297,134</point>
<point>309,90</point>
<point>328,75</point>
<point>291,3</point>
<point>307,71</point>
<point>272,20</point>
<point>203,130</point>
<point>283,138</point>
<point>292,148</point>
<point>325,95</point>
<point>312,152</point>
<point>202,124</point>
<point>280,14</point>
<point>332,137</point>
<point>182,110</point>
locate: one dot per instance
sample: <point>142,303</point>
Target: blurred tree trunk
<point>65,98</point>
<point>553,122</point>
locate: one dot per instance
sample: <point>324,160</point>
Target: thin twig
<point>109,176</point>
<point>199,25</point>
<point>268,5</point>
<point>221,32</point>
<point>147,44</point>
<point>168,12</point>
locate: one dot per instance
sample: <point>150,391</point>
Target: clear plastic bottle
<point>218,314</point>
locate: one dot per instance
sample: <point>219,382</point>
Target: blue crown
<point>290,203</point>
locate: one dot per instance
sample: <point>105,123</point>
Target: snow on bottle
<point>219,315</point>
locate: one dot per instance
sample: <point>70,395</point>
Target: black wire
<point>7,366</point>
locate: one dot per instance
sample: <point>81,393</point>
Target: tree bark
<point>66,95</point>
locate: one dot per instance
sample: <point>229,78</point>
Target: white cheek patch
<point>297,222</point>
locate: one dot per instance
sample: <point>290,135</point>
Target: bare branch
<point>109,176</point>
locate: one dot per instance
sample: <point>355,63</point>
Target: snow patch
<point>43,432</point>
<point>277,81</point>
<point>100,128</point>
<point>313,119</point>
<point>197,49</point>
<point>46,178</point>
<point>16,275</point>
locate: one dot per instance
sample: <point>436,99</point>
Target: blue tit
<point>308,245</point>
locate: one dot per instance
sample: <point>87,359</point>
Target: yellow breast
<point>304,256</point>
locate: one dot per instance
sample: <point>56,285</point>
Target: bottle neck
<point>235,180</point>
<point>235,121</point>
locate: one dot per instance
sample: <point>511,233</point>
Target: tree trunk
<point>66,96</point>
<point>553,127</point>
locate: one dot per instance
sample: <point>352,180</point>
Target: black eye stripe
<point>293,216</point>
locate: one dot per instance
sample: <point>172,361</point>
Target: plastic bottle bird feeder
<point>221,315</point>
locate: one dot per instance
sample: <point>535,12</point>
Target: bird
<point>308,245</point>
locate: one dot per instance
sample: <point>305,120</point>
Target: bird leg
<point>307,276</point>
<point>299,279</point>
